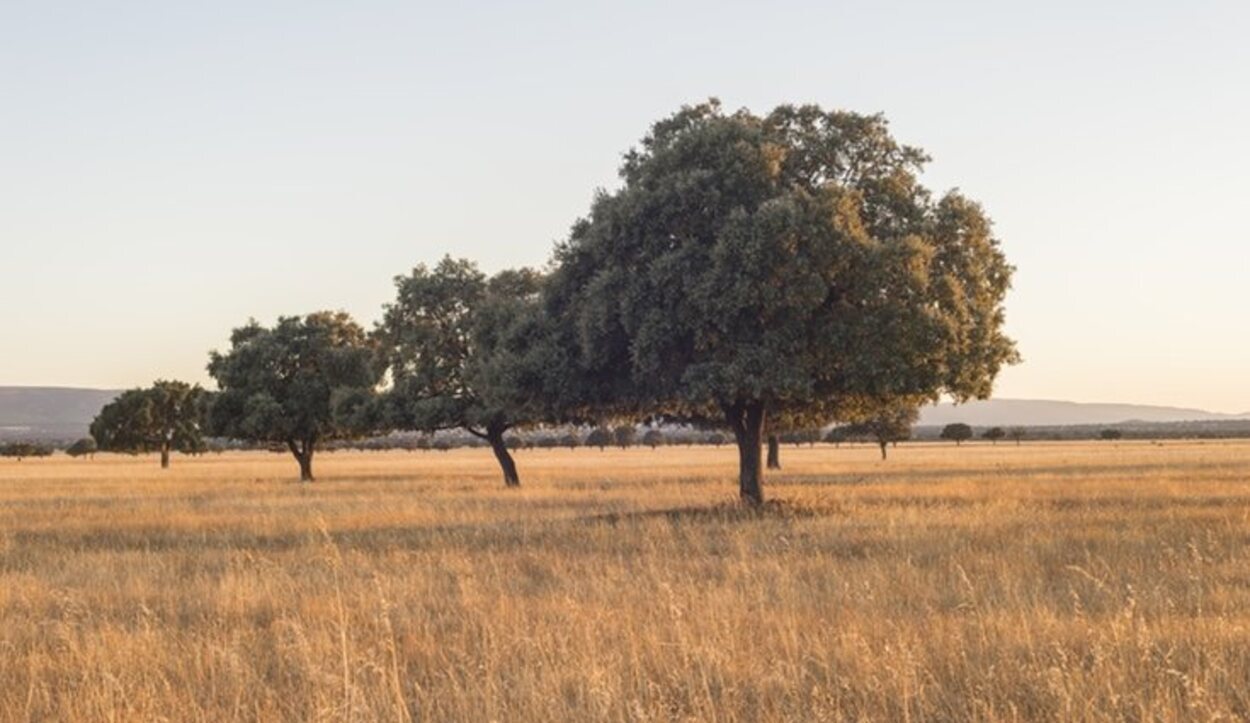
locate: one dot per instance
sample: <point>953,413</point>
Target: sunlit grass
<point>1047,581</point>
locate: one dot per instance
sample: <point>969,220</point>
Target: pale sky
<point>169,169</point>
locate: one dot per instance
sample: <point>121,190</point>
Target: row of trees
<point>759,274</point>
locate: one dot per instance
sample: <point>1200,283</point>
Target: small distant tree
<point>1017,434</point>
<point>285,385</point>
<point>1110,434</point>
<point>994,434</point>
<point>957,433</point>
<point>653,438</point>
<point>85,447</point>
<point>166,417</point>
<point>884,420</point>
<point>22,450</point>
<point>838,435</point>
<point>716,439</point>
<point>624,435</point>
<point>599,437</point>
<point>570,440</point>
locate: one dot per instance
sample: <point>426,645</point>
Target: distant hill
<point>1040,412</point>
<point>49,413</point>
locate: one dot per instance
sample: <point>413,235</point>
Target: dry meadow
<point>1092,581</point>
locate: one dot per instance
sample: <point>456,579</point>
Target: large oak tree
<point>286,384</point>
<point>758,264</point>
<point>166,417</point>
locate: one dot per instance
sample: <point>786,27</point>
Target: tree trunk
<point>495,436</point>
<point>165,456</point>
<point>305,466</point>
<point>746,419</point>
<point>774,452</point>
<point>304,455</point>
<point>883,446</point>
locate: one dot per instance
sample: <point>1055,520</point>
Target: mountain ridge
<point>1049,412</point>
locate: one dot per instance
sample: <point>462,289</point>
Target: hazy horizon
<point>172,170</point>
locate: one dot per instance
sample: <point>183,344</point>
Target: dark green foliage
<point>840,434</point>
<point>599,437</point>
<point>290,385</point>
<point>22,450</point>
<point>464,351</point>
<point>653,438</point>
<point>885,421</point>
<point>168,416</point>
<point>624,435</point>
<point>1111,434</point>
<point>85,447</point>
<point>753,267</point>
<point>957,432</point>
<point>994,434</point>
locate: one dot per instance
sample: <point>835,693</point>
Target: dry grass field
<point>1042,582</point>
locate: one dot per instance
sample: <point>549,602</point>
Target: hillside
<point>49,413</point>
<point>1040,412</point>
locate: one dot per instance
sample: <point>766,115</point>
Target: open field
<point>1047,581</point>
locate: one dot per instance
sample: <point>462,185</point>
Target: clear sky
<point>168,169</point>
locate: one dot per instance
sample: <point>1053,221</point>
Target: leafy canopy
<point>283,384</point>
<point>790,259</point>
<point>169,415</point>
<point>459,349</point>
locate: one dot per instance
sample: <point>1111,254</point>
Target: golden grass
<point>1042,582</point>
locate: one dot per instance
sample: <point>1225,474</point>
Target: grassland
<point>1041,582</point>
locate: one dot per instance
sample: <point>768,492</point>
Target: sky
<point>169,169</point>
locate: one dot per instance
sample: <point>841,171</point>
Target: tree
<point>1110,434</point>
<point>85,447</point>
<point>22,450</point>
<point>838,435</point>
<point>166,417</point>
<point>653,438</point>
<point>774,452</point>
<point>599,437</point>
<point>750,267</point>
<point>461,351</point>
<point>570,440</point>
<point>957,432</point>
<point>886,421</point>
<point>1017,434</point>
<point>624,435</point>
<point>296,384</point>
<point>994,434</point>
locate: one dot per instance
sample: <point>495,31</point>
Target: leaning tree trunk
<point>494,435</point>
<point>774,452</point>
<point>746,419</point>
<point>883,444</point>
<point>165,455</point>
<point>303,452</point>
